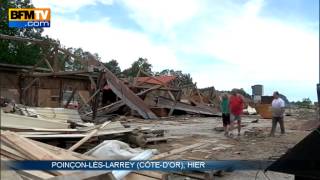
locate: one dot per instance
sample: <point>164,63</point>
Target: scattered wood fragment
<point>92,133</point>
<point>27,147</point>
<point>177,151</point>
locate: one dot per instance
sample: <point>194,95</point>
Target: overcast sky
<point>222,43</point>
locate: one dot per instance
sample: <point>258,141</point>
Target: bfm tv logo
<point>29,17</point>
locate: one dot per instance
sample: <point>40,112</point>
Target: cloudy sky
<point>222,43</point>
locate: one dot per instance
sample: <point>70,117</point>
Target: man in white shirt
<point>278,107</point>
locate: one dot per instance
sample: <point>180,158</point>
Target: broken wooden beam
<point>132,100</point>
<point>23,39</point>
<point>177,151</point>
<point>168,103</point>
<point>60,73</point>
<point>87,137</point>
<point>70,98</point>
<point>116,105</point>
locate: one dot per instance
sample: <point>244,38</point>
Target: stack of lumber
<point>51,125</point>
<point>58,114</point>
<point>9,120</point>
<point>16,147</point>
<point>51,118</point>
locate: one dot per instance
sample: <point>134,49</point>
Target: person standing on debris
<point>225,114</point>
<point>278,108</point>
<point>236,107</point>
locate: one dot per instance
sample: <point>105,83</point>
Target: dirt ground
<point>249,146</point>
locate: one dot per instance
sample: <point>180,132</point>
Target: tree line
<point>24,53</point>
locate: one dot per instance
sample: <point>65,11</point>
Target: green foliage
<point>305,103</point>
<point>18,52</point>
<point>242,92</point>
<point>184,79</point>
<point>113,66</point>
<point>141,63</point>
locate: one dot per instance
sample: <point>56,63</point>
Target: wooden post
<point>49,65</point>
<point>97,96</point>
<point>70,98</point>
<point>28,99</point>
<point>55,60</point>
<point>93,84</point>
<point>61,93</point>
<point>30,84</point>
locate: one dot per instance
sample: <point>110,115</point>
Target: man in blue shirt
<point>225,114</point>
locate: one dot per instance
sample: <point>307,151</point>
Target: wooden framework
<point>105,76</point>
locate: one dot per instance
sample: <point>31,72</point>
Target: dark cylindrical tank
<point>257,90</point>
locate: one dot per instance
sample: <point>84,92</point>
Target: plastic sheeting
<point>114,150</point>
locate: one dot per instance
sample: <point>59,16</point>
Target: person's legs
<point>224,118</point>
<point>274,126</point>
<point>227,123</point>
<point>239,125</point>
<point>231,126</point>
<point>281,122</point>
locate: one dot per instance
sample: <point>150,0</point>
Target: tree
<point>242,92</point>
<point>184,79</point>
<point>141,63</point>
<point>113,66</point>
<point>305,103</point>
<point>15,52</point>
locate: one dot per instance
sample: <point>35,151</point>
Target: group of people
<point>232,109</point>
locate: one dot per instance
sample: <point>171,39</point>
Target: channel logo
<point>29,17</point>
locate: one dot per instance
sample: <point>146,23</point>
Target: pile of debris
<point>64,127</point>
<point>17,147</point>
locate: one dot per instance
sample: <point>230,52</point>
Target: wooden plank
<point>70,98</point>
<point>36,65</point>
<point>8,149</point>
<point>67,155</point>
<point>44,130</point>
<point>88,136</point>
<point>29,85</point>
<point>168,103</point>
<point>153,174</point>
<point>44,97</point>
<point>85,94</point>
<point>25,145</point>
<point>29,148</point>
<point>57,114</point>
<point>19,121</point>
<point>10,174</point>
<point>84,101</point>
<point>95,102</point>
<point>10,155</point>
<point>60,73</point>
<point>176,151</point>
<point>136,176</point>
<point>132,100</point>
<point>66,136</point>
<point>200,97</point>
<point>36,175</point>
<point>33,174</point>
<point>155,139</point>
<point>116,105</point>
<point>48,64</point>
<point>23,39</point>
<point>88,175</point>
<point>93,95</point>
<point>93,83</point>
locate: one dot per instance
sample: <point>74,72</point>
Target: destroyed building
<point>40,121</point>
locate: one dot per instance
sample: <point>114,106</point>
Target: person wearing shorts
<point>225,114</point>
<point>236,107</point>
